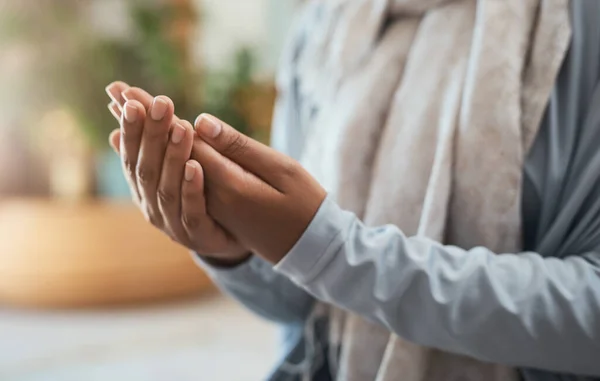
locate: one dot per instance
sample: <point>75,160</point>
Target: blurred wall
<point>261,24</point>
<point>21,171</point>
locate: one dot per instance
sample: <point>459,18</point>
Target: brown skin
<point>154,168</point>
<point>262,197</point>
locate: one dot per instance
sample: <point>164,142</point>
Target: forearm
<point>257,286</point>
<point>520,310</point>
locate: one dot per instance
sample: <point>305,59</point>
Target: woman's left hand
<point>264,198</point>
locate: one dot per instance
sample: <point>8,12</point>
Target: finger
<point>201,229</point>
<point>142,96</point>
<point>264,162</point>
<point>152,152</point>
<point>114,91</point>
<point>169,189</point>
<point>227,179</point>
<point>114,139</point>
<point>137,94</point>
<point>132,127</point>
<point>217,168</point>
<point>115,110</point>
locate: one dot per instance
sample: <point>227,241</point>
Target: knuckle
<point>166,196</point>
<point>173,160</point>
<point>289,168</point>
<point>191,221</point>
<point>236,146</point>
<point>145,174</point>
<point>159,132</point>
<point>129,169</point>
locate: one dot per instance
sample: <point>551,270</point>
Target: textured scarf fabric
<point>420,113</point>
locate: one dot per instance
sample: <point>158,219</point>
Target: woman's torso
<point>557,182</point>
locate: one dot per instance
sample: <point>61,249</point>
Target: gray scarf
<point>421,113</point>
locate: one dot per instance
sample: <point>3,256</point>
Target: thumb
<point>255,157</point>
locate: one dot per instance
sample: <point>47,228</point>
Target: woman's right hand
<point>155,146</point>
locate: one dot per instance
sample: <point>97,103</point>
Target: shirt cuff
<point>321,241</point>
<point>246,270</point>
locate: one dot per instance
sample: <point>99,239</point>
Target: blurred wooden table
<point>60,254</point>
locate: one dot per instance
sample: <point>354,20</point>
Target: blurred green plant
<point>75,63</point>
<point>221,89</point>
<point>148,59</point>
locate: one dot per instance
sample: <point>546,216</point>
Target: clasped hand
<point>212,189</point>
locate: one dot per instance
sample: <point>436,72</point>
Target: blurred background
<point>88,290</point>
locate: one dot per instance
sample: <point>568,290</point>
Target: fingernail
<point>159,108</point>
<point>190,171</point>
<point>177,134</point>
<point>208,125</point>
<point>130,112</point>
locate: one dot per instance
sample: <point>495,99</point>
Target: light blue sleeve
<point>262,290</point>
<point>520,310</point>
